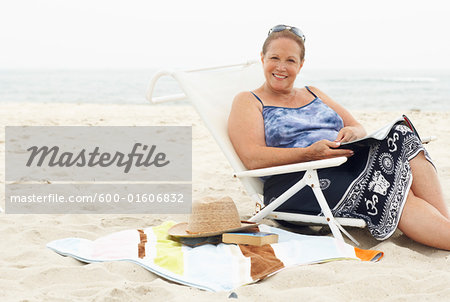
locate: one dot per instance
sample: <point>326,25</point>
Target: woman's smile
<point>279,76</point>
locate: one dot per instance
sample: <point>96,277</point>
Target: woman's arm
<point>352,128</point>
<point>246,132</point>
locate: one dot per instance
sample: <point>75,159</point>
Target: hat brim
<point>180,230</point>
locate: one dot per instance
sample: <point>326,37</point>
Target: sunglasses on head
<point>292,29</point>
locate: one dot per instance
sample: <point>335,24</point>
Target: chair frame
<point>248,177</point>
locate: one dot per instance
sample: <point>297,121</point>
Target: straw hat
<point>211,217</point>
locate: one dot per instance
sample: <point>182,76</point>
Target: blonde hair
<point>285,34</point>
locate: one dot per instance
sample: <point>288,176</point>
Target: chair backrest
<point>212,93</point>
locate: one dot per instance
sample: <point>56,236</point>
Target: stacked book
<point>257,238</point>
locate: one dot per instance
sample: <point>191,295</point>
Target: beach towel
<point>220,267</point>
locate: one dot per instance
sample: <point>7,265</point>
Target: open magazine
<point>378,135</point>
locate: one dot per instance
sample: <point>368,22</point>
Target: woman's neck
<point>283,95</point>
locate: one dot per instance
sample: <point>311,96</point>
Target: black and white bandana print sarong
<point>372,185</point>
<point>379,193</point>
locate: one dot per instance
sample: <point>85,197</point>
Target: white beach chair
<point>211,92</point>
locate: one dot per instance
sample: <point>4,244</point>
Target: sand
<point>31,272</point>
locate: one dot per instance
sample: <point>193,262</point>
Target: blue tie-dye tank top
<point>300,127</point>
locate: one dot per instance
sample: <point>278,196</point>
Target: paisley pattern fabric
<point>372,185</point>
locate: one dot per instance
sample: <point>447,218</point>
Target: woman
<point>391,184</point>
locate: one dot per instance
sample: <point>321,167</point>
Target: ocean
<point>355,89</point>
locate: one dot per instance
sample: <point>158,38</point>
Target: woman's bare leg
<point>426,184</point>
<point>423,223</point>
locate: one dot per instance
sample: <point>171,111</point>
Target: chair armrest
<point>317,164</point>
<point>171,73</point>
<point>151,88</point>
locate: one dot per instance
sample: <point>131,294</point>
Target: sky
<point>113,34</point>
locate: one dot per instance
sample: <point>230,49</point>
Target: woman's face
<point>281,64</point>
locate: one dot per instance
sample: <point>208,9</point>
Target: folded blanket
<point>210,267</point>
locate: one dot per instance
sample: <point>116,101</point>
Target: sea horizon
<point>356,89</point>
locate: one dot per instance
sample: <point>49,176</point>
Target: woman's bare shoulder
<point>315,90</point>
<point>243,95</point>
<point>322,95</point>
<point>246,99</point>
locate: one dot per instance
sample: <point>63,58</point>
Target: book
<point>378,135</point>
<point>257,238</point>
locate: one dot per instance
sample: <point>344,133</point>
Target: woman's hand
<point>326,149</point>
<point>350,133</point>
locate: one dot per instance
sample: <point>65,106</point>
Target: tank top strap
<point>311,91</point>
<point>258,98</point>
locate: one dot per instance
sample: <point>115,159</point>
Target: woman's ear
<point>301,65</point>
<point>262,57</point>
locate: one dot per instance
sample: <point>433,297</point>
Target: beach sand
<point>31,272</point>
